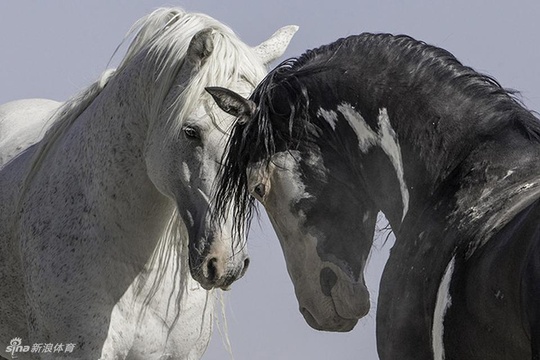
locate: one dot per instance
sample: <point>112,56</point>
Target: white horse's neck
<point>142,223</point>
<point>111,134</point>
<point>155,302</point>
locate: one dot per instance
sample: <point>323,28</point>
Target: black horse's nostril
<point>244,269</point>
<point>211,269</point>
<point>328,280</point>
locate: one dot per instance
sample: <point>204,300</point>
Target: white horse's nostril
<point>217,274</point>
<point>211,270</point>
<point>244,269</point>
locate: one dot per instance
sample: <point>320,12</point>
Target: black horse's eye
<point>191,132</point>
<point>260,190</point>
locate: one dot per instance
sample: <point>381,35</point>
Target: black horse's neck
<point>468,149</point>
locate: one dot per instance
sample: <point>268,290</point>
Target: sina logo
<point>15,346</point>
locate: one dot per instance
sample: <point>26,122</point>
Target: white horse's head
<point>187,132</point>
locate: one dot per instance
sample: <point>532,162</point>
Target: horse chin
<point>351,300</point>
<point>338,311</point>
<point>334,324</point>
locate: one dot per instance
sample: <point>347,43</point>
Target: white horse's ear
<point>274,47</point>
<point>233,103</point>
<point>200,48</point>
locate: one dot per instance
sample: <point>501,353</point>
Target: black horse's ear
<point>232,103</point>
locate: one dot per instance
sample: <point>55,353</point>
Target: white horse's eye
<point>260,191</point>
<point>191,132</point>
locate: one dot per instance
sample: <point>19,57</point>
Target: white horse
<point>99,213</point>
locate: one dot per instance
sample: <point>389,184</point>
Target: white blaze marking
<point>292,186</point>
<point>386,139</point>
<point>389,144</point>
<point>444,301</point>
<point>366,217</point>
<point>328,115</point>
<point>510,172</point>
<point>367,138</point>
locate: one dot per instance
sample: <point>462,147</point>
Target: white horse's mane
<point>164,36</point>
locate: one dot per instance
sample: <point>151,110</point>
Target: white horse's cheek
<point>186,172</point>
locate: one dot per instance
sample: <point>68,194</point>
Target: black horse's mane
<point>281,121</point>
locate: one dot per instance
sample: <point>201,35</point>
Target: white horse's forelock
<point>164,37</point>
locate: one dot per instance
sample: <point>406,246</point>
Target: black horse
<point>382,122</point>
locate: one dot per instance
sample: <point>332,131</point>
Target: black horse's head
<point>319,211</point>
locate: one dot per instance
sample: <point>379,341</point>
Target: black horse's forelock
<point>258,139</point>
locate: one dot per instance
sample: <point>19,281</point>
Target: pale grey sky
<point>51,49</point>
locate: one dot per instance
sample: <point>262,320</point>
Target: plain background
<point>52,49</point>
